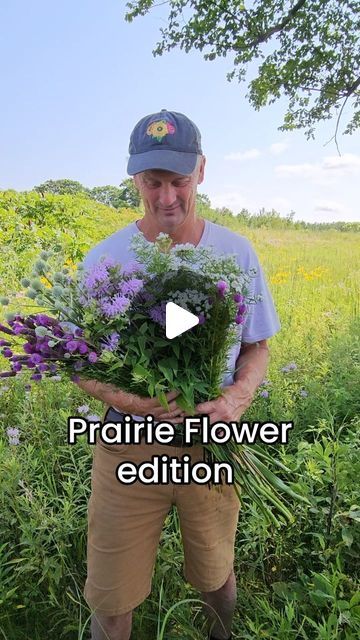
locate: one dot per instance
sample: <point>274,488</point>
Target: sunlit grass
<point>297,583</point>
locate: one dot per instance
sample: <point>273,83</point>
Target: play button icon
<point>178,320</point>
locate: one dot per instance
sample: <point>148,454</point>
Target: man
<point>125,521</point>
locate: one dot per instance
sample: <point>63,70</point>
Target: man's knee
<point>111,627</point>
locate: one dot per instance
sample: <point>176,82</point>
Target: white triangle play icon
<point>178,320</point>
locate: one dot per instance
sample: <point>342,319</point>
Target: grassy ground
<point>301,582</point>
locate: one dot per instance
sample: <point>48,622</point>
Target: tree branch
<point>351,90</point>
<point>278,27</point>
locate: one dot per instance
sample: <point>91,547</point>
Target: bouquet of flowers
<point>108,323</point>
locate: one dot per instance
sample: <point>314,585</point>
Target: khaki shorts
<point>125,524</point>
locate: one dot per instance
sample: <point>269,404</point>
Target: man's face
<point>169,198</point>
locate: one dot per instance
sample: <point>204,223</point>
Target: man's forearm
<point>251,366</point>
<point>106,393</point>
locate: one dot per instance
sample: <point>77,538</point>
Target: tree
<point>203,200</point>
<point>109,195</point>
<point>307,51</point>
<point>60,187</point>
<point>129,193</point>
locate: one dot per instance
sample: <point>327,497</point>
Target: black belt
<point>115,416</point>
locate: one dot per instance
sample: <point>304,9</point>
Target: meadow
<point>301,581</point>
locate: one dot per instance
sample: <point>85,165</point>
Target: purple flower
<point>264,394</point>
<point>240,319</point>
<point>16,367</point>
<point>43,367</point>
<point>132,267</point>
<point>238,297</point>
<point>201,318</point>
<point>43,320</point>
<point>92,357</point>
<point>36,376</point>
<point>93,418</point>
<point>13,435</point>
<point>242,308</point>
<point>5,343</point>
<point>7,352</point>
<point>35,358</point>
<point>222,286</point>
<point>265,383</point>
<point>289,367</point>
<point>72,345</point>
<point>111,342</point>
<point>53,368</point>
<point>115,307</point>
<point>131,287</point>
<point>29,348</point>
<point>73,378</point>
<point>84,408</point>
<point>158,313</point>
<point>6,330</point>
<point>83,348</point>
<point>79,365</point>
<point>12,432</point>
<point>19,329</point>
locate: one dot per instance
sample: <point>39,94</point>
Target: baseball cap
<point>165,140</point>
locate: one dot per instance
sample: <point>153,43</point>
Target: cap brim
<point>165,159</point>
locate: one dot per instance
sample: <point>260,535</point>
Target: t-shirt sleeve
<point>262,321</point>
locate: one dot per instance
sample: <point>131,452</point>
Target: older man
<point>125,521</point>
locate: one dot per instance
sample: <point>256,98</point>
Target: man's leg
<point>223,601</point>
<point>111,627</point>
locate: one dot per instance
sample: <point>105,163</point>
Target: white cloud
<point>278,147</point>
<point>348,163</point>
<point>249,154</point>
<point>323,172</point>
<point>328,206</point>
<point>305,170</point>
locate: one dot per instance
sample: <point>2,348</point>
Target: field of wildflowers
<point>299,582</point>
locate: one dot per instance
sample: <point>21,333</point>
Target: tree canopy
<point>305,50</point>
<point>126,195</point>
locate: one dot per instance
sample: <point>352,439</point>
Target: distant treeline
<point>127,195</point>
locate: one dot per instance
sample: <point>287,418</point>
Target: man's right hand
<point>133,404</point>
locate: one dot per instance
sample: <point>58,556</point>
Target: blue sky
<point>75,78</point>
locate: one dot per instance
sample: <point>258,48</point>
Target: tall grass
<point>299,582</point>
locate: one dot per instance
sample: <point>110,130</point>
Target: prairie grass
<point>299,582</point>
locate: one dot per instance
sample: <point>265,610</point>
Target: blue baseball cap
<point>166,140</point>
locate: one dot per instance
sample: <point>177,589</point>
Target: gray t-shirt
<point>262,321</point>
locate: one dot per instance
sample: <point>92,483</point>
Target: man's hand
<point>229,407</point>
<point>131,403</point>
<point>251,366</point>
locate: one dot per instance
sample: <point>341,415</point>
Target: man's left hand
<point>230,406</point>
